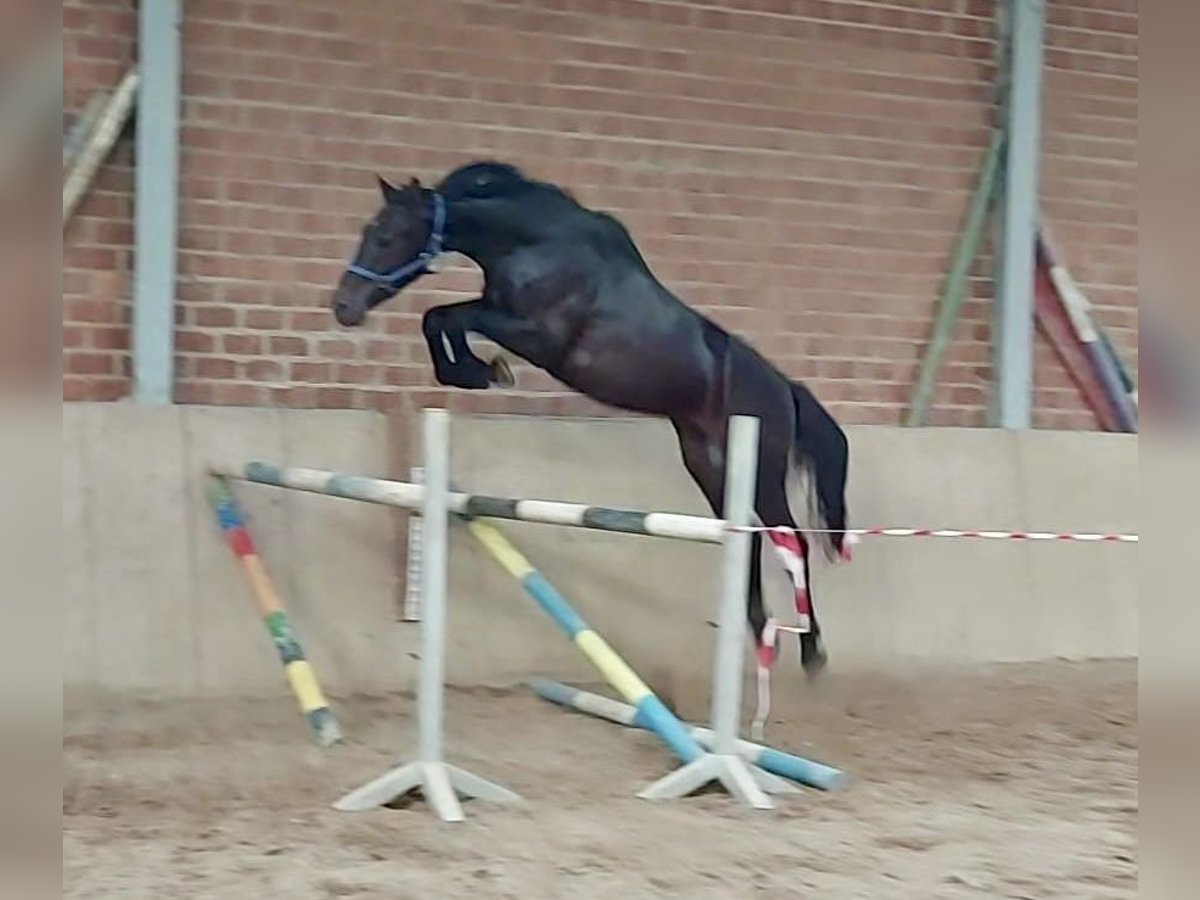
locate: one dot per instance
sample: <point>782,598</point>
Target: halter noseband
<point>433,246</point>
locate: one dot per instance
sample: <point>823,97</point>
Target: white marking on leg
<point>768,648</point>
<point>716,457</point>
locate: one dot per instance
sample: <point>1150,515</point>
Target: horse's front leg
<point>455,365</point>
<point>518,335</point>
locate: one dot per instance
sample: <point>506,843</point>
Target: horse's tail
<point>825,453</point>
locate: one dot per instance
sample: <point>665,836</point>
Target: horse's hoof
<point>813,657</point>
<point>500,373</point>
<point>814,666</point>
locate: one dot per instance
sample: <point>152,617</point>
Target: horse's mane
<point>490,178</point>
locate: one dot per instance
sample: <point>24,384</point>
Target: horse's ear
<point>414,183</point>
<point>390,192</point>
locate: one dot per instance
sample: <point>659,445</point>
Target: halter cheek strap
<point>433,246</point>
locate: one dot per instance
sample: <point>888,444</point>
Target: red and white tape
<point>1096,537</point>
<point>773,629</point>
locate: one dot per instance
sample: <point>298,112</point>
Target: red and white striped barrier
<point>853,535</point>
<point>1095,537</point>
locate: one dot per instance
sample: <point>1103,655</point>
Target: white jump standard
<point>724,764</point>
<point>439,781</point>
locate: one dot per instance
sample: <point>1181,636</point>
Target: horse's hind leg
<point>704,460</point>
<point>791,547</point>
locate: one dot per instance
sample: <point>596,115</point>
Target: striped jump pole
<point>299,672</point>
<point>651,711</point>
<point>406,495</point>
<point>797,768</point>
<point>748,783</point>
<point>679,526</point>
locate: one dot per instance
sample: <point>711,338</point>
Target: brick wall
<point>98,46</point>
<point>798,170</point>
<point>1089,176</point>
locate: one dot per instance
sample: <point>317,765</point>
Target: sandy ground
<point>1017,782</point>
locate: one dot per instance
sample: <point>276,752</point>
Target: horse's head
<point>397,246</point>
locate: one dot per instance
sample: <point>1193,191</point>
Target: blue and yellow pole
<point>299,672</point>
<point>651,712</point>
<point>797,768</point>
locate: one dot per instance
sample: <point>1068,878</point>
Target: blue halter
<point>433,246</point>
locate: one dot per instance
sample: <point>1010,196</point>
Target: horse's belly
<point>654,384</point>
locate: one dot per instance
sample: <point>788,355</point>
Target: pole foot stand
<point>747,783</point>
<point>440,783</point>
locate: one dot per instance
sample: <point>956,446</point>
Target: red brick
<point>194,342</point>
<point>321,372</point>
<point>305,320</point>
<point>93,388</point>
<point>337,348</point>
<point>288,346</point>
<point>335,397</point>
<point>74,337</point>
<point>242,344</point>
<point>264,319</point>
<point>214,367</point>
<point>406,376</point>
<point>357,373</point>
<point>262,370</point>
<point>237,394</point>
<point>297,397</point>
<point>81,363</point>
<point>213,316</point>
<point>387,350</point>
<point>110,339</point>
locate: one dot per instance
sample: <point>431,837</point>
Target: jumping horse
<point>566,289</point>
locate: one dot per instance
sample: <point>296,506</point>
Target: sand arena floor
<point>1015,782</point>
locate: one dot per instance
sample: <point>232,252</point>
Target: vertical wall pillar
<point>1014,311</point>
<point>156,199</point>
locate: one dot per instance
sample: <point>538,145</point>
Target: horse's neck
<point>479,233</point>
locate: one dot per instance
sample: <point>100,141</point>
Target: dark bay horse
<point>566,289</point>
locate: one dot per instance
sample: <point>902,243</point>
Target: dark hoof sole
<point>500,373</point>
<point>813,657</point>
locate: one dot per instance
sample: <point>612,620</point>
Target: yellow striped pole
<point>297,669</point>
<point>650,709</point>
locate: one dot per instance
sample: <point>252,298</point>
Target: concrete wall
<point>154,602</point>
<point>154,599</point>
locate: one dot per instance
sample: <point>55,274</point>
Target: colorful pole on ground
<point>299,672</point>
<point>651,711</point>
<point>797,768</point>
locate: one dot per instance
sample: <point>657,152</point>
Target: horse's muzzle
<point>349,314</point>
<point>352,300</point>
